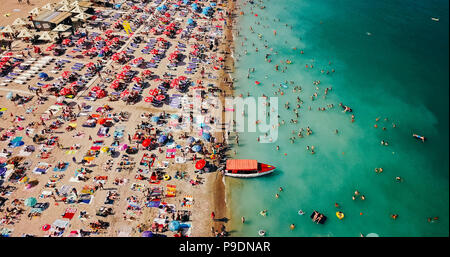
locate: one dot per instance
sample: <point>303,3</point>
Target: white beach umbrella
<point>61,28</point>
<point>64,8</point>
<point>47,7</point>
<point>35,11</point>
<point>77,9</point>
<point>64,2</point>
<point>7,29</point>
<point>46,36</point>
<point>24,33</point>
<point>82,16</point>
<point>19,22</point>
<point>75,3</point>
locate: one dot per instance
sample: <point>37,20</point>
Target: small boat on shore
<point>247,168</point>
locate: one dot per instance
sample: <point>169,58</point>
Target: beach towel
<point>63,169</point>
<point>41,168</point>
<point>170,154</point>
<point>69,213</point>
<point>153,204</point>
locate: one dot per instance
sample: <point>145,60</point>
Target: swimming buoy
<point>340,215</point>
<point>257,82</point>
<point>166,177</point>
<point>261,232</point>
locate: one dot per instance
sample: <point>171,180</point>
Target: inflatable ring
<point>340,215</point>
<point>261,232</point>
<point>166,177</point>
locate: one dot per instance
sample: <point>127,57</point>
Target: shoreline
<point>218,198</point>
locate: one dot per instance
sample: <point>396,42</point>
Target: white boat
<point>434,19</point>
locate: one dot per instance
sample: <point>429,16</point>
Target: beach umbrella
<point>90,65</point>
<point>206,136</point>
<point>61,28</point>
<point>146,142</point>
<point>123,147</point>
<point>64,2</point>
<point>160,97</point>
<point>64,8</point>
<point>46,36</point>
<point>19,22</point>
<point>17,143</point>
<point>155,119</point>
<point>66,41</point>
<point>174,225</point>
<point>196,148</point>
<point>30,201</point>
<point>46,227</point>
<point>7,29</point>
<point>82,16</point>
<point>154,92</point>
<point>47,7</point>
<point>162,139</point>
<point>9,95</point>
<point>200,164</point>
<point>43,75</point>
<point>24,33</point>
<point>50,48</point>
<point>190,21</point>
<point>136,79</point>
<point>75,3</point>
<point>77,9</point>
<point>190,140</point>
<point>35,11</point>
<point>147,72</point>
<point>147,234</point>
<point>65,74</point>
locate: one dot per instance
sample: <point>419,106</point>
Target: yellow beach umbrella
<point>104,149</point>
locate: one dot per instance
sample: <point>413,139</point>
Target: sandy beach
<point>139,197</point>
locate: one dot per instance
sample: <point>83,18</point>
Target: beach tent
<point>19,22</point>
<point>24,33</point>
<point>61,28</point>
<point>7,29</point>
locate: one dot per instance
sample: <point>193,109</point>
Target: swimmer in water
<point>263,213</point>
<point>300,212</point>
<point>292,226</point>
<point>277,196</point>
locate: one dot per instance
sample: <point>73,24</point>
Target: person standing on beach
<point>243,220</point>
<point>213,215</point>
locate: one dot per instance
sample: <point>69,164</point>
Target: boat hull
<point>253,175</point>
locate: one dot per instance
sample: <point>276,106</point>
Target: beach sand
<point>208,197</point>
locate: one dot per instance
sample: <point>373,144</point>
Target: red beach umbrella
<point>90,64</point>
<point>66,41</point>
<point>65,74</point>
<point>126,67</point>
<point>147,72</point>
<point>124,93</point>
<point>146,142</point>
<point>154,92</point>
<point>137,79</point>
<point>200,164</point>
<point>148,99</point>
<point>46,227</point>
<point>160,97</point>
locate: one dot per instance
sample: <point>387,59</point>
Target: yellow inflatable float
<point>340,215</point>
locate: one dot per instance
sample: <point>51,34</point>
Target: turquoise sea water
<point>391,61</point>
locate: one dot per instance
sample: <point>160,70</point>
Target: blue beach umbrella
<point>2,171</point>
<point>190,21</point>
<point>155,118</point>
<point>17,143</point>
<point>174,116</point>
<point>43,75</point>
<point>9,95</point>
<point>190,140</point>
<point>162,139</point>
<point>186,1</point>
<point>206,136</point>
<point>174,225</point>
<point>196,148</point>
